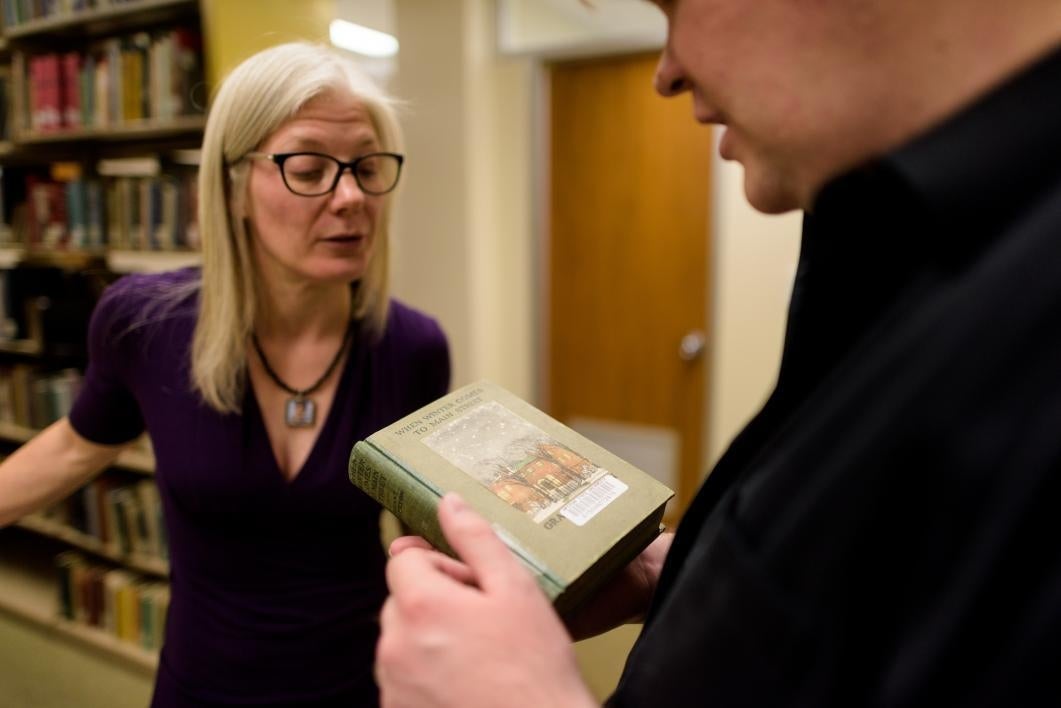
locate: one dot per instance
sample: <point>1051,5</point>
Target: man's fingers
<point>415,565</point>
<point>403,542</point>
<point>489,559</point>
<point>421,570</point>
<point>455,569</point>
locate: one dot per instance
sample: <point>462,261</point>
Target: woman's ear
<point>236,196</point>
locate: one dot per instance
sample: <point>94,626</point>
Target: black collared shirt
<point>887,530</point>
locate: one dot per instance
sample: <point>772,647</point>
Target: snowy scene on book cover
<point>524,466</point>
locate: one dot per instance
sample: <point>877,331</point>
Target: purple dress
<point>275,585</point>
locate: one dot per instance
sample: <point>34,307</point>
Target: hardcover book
<point>572,512</point>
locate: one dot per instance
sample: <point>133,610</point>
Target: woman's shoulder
<point>416,351</point>
<point>142,297</point>
<point>141,289</point>
<point>149,285</point>
<point>408,326</point>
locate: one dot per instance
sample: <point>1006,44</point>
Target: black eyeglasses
<point>311,174</point>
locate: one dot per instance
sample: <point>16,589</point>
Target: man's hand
<point>625,598</point>
<point>473,633</point>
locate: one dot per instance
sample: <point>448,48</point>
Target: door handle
<point>692,345</point>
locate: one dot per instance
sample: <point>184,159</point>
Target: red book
<point>71,90</point>
<point>46,216</point>
<point>48,88</point>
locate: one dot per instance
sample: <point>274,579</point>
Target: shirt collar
<point>959,183</point>
<point>987,161</point>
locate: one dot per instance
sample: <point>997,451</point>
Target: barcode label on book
<point>597,496</point>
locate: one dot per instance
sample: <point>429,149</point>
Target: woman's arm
<point>49,467</point>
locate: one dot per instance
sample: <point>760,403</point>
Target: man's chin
<point>769,193</point>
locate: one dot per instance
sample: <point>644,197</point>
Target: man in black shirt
<point>885,531</point>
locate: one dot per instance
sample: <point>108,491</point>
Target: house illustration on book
<point>515,459</point>
<point>549,474</point>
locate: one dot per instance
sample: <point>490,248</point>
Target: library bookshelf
<point>30,593</point>
<point>31,597</point>
<point>102,109</point>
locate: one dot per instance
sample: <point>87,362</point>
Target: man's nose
<point>669,79</point>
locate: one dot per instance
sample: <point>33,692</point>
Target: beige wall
<point>754,263</point>
<point>431,238</point>
<point>463,237</point>
<point>500,203</point>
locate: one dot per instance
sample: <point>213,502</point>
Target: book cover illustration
<point>523,466</point>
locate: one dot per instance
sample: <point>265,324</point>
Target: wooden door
<point>627,266</point>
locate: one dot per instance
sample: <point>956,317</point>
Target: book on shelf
<point>5,102</point>
<point>117,601</point>
<point>32,398</point>
<point>571,512</point>
<point>119,520</point>
<point>149,204</point>
<point>139,166</point>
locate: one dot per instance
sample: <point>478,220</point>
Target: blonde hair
<point>254,100</point>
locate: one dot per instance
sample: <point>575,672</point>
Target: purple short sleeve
<point>105,410</point>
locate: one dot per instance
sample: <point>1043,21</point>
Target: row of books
<point>157,213</point>
<point>125,518</point>
<point>33,398</point>
<point>18,11</point>
<point>156,75</point>
<point>115,600</point>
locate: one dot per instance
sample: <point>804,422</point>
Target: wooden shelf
<point>151,261</point>
<point>102,20</point>
<point>67,260</point>
<point>136,461</point>
<point>119,261</point>
<point>73,537</point>
<point>133,459</point>
<point>148,129</point>
<point>10,256</point>
<point>32,597</point>
<point>30,347</point>
<point>16,433</point>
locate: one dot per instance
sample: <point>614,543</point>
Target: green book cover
<point>571,511</point>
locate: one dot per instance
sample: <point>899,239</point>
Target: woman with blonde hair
<point>254,377</point>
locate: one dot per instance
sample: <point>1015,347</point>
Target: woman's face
<point>327,238</point>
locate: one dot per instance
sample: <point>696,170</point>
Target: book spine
<point>398,490</point>
<point>415,502</point>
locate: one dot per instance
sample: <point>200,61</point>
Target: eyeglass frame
<point>278,158</point>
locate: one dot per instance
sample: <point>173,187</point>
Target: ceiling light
<point>362,40</point>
